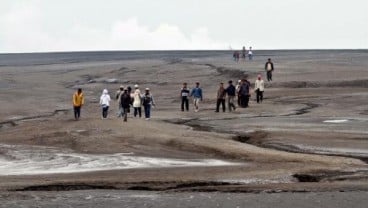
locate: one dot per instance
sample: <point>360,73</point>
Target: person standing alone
<point>197,96</point>
<point>105,103</point>
<point>269,69</point>
<point>184,93</point>
<point>259,88</point>
<point>78,102</point>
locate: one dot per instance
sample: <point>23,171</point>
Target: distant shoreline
<point>200,50</point>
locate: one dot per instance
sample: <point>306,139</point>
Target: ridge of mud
<point>361,83</point>
<point>13,122</point>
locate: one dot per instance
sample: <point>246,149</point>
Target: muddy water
<point>32,160</point>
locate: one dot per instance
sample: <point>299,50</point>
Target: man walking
<point>184,93</point>
<point>78,102</point>
<point>148,102</point>
<point>244,93</point>
<point>269,69</point>
<point>197,96</point>
<point>259,88</point>
<point>221,95</point>
<point>125,101</point>
<point>231,91</point>
<point>118,98</point>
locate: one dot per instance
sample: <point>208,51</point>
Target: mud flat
<point>309,135</point>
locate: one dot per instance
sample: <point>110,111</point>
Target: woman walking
<point>105,103</point>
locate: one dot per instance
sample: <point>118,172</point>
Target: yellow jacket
<point>78,100</point>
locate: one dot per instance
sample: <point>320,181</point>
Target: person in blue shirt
<point>197,96</point>
<point>231,91</point>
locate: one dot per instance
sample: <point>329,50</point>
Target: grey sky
<point>69,25</point>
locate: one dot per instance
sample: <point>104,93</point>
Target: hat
<point>121,87</point>
<point>136,86</point>
<point>239,81</point>
<point>147,89</point>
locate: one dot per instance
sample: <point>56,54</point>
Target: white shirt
<point>259,84</point>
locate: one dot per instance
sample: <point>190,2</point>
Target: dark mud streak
<point>294,149</point>
<point>363,83</point>
<point>13,122</point>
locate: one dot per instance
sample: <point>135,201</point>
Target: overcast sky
<point>79,25</point>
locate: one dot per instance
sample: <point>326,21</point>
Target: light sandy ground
<point>281,144</point>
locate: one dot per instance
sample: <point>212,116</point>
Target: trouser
<point>105,111</point>
<point>220,102</point>
<point>269,75</point>
<point>239,100</point>
<point>125,113</point>
<point>120,112</point>
<point>137,111</point>
<point>77,111</point>
<point>244,101</point>
<point>196,103</point>
<point>259,96</point>
<point>230,102</point>
<point>184,101</point>
<point>250,56</point>
<point>147,111</point>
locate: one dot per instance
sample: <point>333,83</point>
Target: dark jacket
<point>271,65</point>
<point>221,93</point>
<point>244,89</point>
<point>230,90</point>
<point>125,100</point>
<point>184,92</point>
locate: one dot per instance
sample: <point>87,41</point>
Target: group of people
<point>127,97</point>
<point>242,91</point>
<point>244,54</point>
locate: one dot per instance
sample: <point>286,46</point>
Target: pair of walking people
<point>228,93</point>
<point>185,93</point>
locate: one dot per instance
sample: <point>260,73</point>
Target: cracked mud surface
<point>283,144</point>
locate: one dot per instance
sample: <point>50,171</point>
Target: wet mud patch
<point>331,176</point>
<point>254,138</point>
<point>65,187</point>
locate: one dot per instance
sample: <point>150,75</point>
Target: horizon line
<point>162,50</point>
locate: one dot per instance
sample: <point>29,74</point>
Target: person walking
<point>78,102</point>
<point>137,102</point>
<point>244,93</point>
<point>105,103</point>
<point>250,54</point>
<point>117,97</point>
<point>259,88</point>
<point>237,89</point>
<point>197,96</point>
<point>269,69</point>
<point>184,93</point>
<point>231,91</point>
<point>148,102</point>
<point>125,101</point>
<point>221,95</point>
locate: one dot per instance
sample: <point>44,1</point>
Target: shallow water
<point>32,160</point>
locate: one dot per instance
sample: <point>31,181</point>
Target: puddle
<point>32,160</point>
<point>336,121</point>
